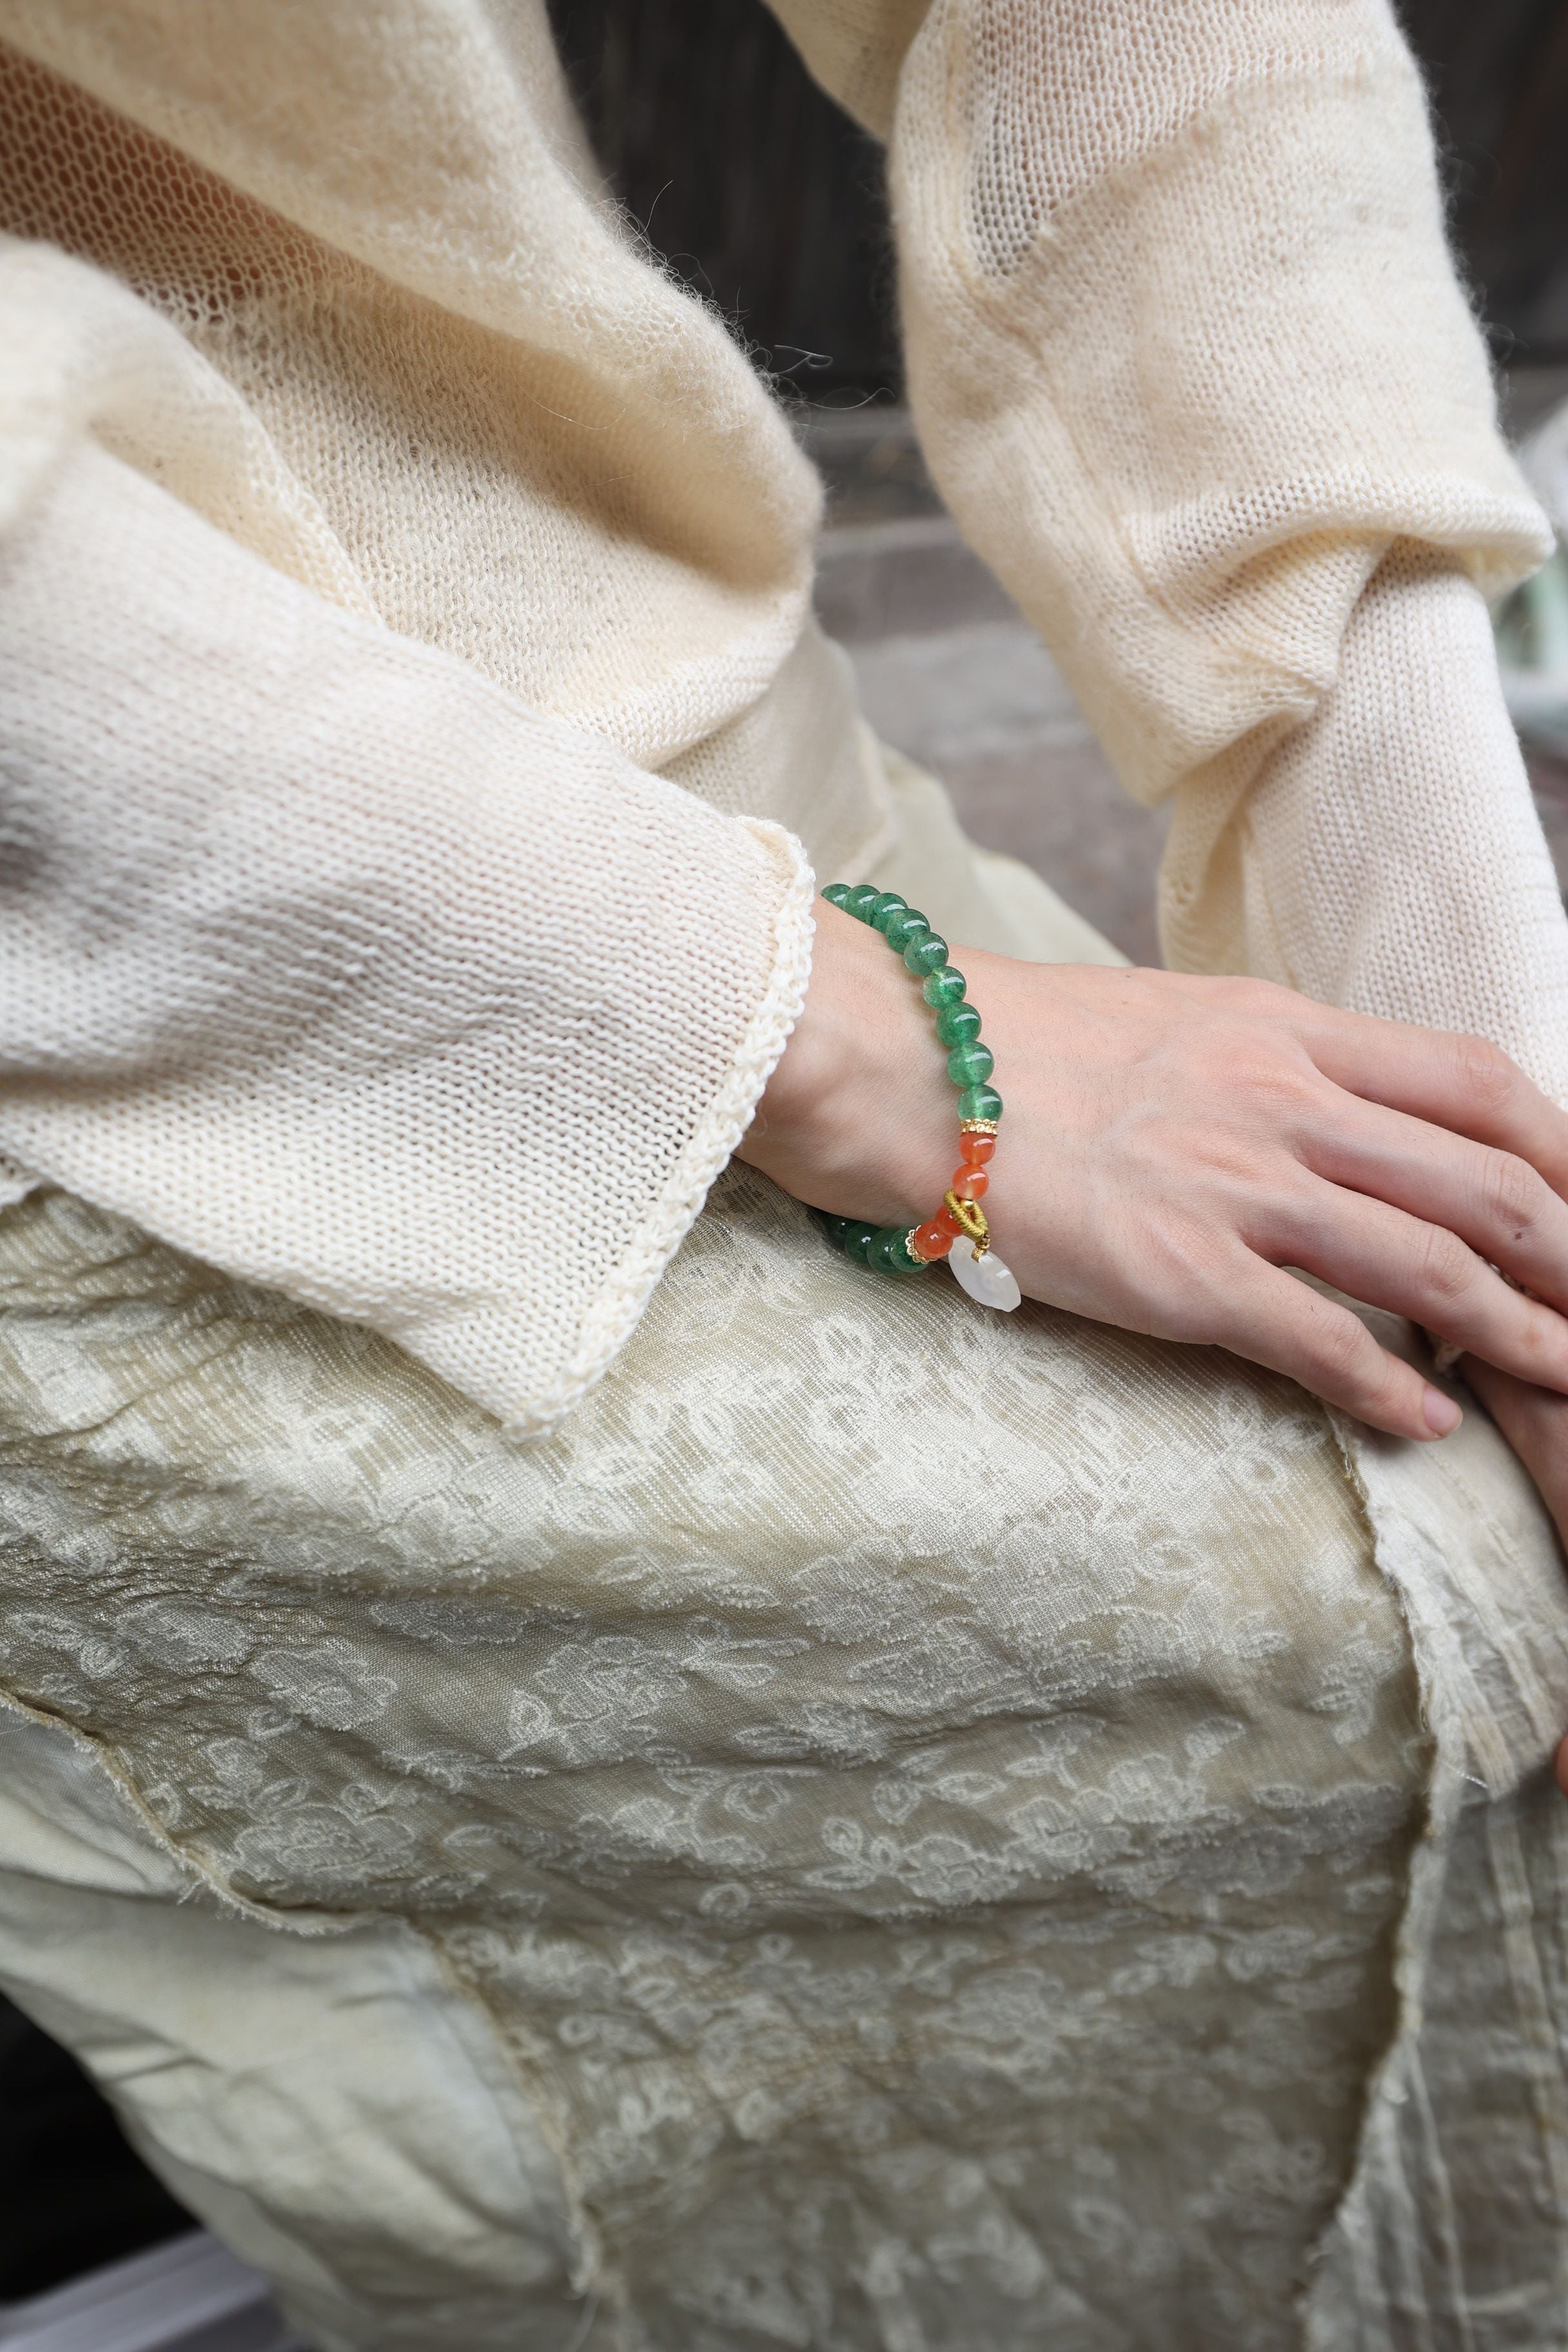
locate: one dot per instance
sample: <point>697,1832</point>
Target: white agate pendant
<point>986,1279</point>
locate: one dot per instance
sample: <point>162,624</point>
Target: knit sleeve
<point>1389,857</point>
<point>1191,364</point>
<point>1187,348</point>
<point>327,960</point>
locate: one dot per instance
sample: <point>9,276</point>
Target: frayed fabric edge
<point>1344,2291</point>
<point>199,1878</point>
<point>1346,2305</point>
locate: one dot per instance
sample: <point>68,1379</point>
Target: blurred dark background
<point>769,202</point>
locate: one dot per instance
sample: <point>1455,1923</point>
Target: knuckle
<point>1360,1375</point>
<point>1236,992</point>
<point>1340,1348</point>
<point>1276,1083</point>
<point>1483,1072</point>
<point>1188,1278</point>
<point>1540,1340</point>
<point>1177,1280</point>
<point>1511,1193</point>
<point>1447,1267</point>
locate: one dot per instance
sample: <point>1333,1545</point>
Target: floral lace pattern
<point>926,1800</point>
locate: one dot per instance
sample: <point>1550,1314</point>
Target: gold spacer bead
<point>977,1126</point>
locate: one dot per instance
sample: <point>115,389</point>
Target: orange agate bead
<point>935,1237</point>
<point>969,1184</point>
<point>977,1150</point>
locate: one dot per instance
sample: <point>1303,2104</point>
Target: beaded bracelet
<point>958,1232</point>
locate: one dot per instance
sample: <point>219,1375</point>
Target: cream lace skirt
<point>894,1830</point>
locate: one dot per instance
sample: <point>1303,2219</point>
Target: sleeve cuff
<point>329,962</point>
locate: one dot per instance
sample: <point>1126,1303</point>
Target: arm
<point>1194,371</point>
<point>327,960</point>
<point>1192,366</point>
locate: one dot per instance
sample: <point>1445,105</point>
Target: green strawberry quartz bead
<point>888,1252</point>
<point>884,1248</point>
<point>836,893</point>
<point>860,900</point>
<point>979,1102</point>
<point>899,930</point>
<point>942,987</point>
<point>958,1025</point>
<point>884,907</point>
<point>970,1065</point>
<point>929,954</point>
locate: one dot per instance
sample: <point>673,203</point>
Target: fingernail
<point>1443,1415</point>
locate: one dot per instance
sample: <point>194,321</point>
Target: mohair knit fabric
<point>446,694</point>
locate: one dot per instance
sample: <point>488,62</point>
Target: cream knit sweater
<point>414,739</point>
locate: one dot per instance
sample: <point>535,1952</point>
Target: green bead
<point>943,987</point>
<point>857,1241</point>
<point>979,1102</point>
<point>970,1065</point>
<point>834,1228</point>
<point>958,1025</point>
<point>860,900</point>
<point>899,930</point>
<point>926,955</point>
<point>888,1252</point>
<point>887,903</point>
<point>836,893</point>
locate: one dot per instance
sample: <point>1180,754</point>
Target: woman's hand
<point>1171,1144</point>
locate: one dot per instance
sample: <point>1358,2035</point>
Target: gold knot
<point>972,1217</point>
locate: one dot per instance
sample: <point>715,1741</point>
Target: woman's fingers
<point>1493,1200</point>
<point>1390,1259</point>
<point>1536,1423</point>
<point>1273,1320</point>
<point>1465,1083</point>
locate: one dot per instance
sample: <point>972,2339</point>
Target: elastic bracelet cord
<point>958,1232</point>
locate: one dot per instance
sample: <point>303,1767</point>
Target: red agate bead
<point>977,1149</point>
<point>969,1184</point>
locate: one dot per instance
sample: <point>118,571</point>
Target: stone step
<point>189,2294</point>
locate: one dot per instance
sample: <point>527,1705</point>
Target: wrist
<point>855,1118</point>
